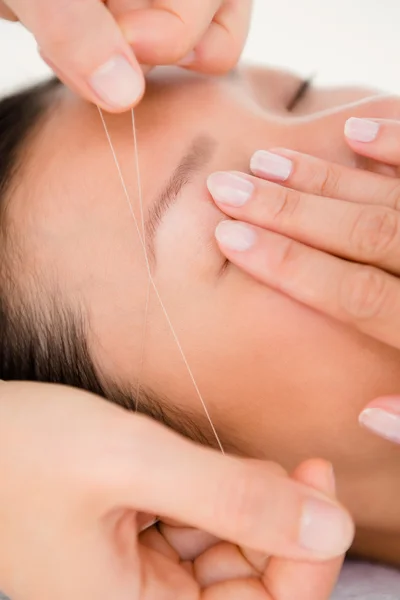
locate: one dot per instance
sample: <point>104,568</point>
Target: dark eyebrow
<point>196,156</point>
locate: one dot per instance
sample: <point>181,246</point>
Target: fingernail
<point>235,236</point>
<point>361,130</point>
<point>117,83</point>
<point>187,60</point>
<point>229,188</point>
<point>325,528</point>
<point>271,165</point>
<point>384,423</point>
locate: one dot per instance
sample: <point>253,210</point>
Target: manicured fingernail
<point>235,236</point>
<point>187,60</point>
<point>325,528</point>
<point>361,130</point>
<point>272,165</point>
<point>384,423</point>
<point>117,83</point>
<point>229,188</point>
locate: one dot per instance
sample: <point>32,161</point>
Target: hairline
<point>40,322</point>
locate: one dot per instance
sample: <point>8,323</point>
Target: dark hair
<point>40,338</point>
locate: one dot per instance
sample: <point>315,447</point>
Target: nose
<point>322,134</point>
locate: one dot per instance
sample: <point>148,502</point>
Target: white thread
<point>146,309</point>
<point>151,280</point>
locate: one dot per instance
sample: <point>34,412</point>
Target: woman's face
<point>279,380</point>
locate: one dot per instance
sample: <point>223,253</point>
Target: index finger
<point>86,46</point>
<point>362,296</point>
<point>240,501</point>
<point>323,178</point>
<point>169,30</point>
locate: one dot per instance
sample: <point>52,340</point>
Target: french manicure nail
<point>361,130</point>
<point>229,188</point>
<point>271,165</point>
<point>325,528</point>
<point>117,83</point>
<point>384,423</point>
<point>235,236</point>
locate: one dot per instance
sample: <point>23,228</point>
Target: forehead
<point>70,209</point>
<point>70,167</point>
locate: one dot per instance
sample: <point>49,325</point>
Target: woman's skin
<point>280,381</point>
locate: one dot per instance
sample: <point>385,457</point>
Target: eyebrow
<point>197,155</point>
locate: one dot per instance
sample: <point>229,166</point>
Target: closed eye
<point>300,94</point>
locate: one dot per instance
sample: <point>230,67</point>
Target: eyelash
<point>300,94</point>
<point>223,268</point>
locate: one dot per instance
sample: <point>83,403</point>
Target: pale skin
<point>243,340</point>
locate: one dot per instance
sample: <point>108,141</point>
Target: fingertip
<point>99,87</point>
<point>117,83</point>
<point>318,474</point>
<point>361,130</point>
<point>157,37</point>
<point>217,53</point>
<point>382,417</point>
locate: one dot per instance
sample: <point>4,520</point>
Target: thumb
<point>87,49</point>
<point>382,417</point>
<point>246,502</point>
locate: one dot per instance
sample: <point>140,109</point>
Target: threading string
<point>151,280</point>
<point>146,308</point>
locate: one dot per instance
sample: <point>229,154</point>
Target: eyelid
<point>300,94</point>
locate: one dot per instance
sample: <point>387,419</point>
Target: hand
<point>77,470</point>
<point>96,46</point>
<point>292,240</point>
<point>226,571</point>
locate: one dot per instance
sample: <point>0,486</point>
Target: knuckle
<point>56,37</point>
<point>244,501</point>
<point>326,181</point>
<point>374,232</point>
<point>289,256</point>
<point>393,196</point>
<point>287,203</point>
<point>364,293</point>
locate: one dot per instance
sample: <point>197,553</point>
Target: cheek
<point>289,382</point>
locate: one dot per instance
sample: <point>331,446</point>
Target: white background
<point>340,40</point>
